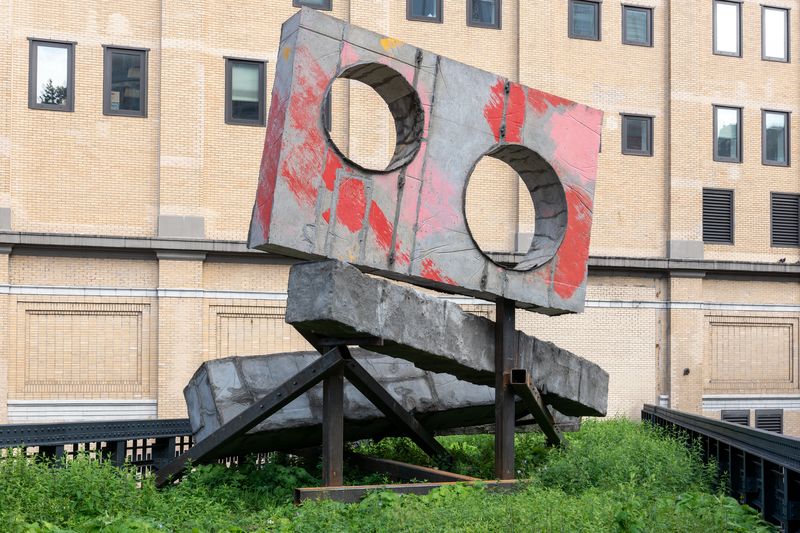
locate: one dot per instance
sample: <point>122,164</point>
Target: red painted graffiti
<point>493,110</point>
<point>539,100</point>
<point>574,251</point>
<point>268,172</point>
<point>432,272</point>
<point>515,114</point>
<point>352,204</point>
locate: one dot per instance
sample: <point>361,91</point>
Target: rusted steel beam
<point>353,494</point>
<point>224,438</point>
<point>391,408</point>
<point>521,384</point>
<point>399,471</point>
<point>505,356</point>
<point>333,428</point>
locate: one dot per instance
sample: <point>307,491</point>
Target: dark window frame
<point>738,4</point>
<point>108,51</point>
<point>498,17</point>
<point>649,11</point>
<point>768,412</point>
<point>735,413</point>
<point>787,41</point>
<point>326,6</point>
<point>788,143</point>
<point>439,19</point>
<point>648,152</point>
<point>732,242</point>
<point>599,4</point>
<point>772,196</point>
<point>740,128</point>
<point>262,92</point>
<point>33,63</point>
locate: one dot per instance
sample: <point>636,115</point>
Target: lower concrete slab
<point>331,298</point>
<point>223,388</point>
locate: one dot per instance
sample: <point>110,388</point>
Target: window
<point>637,26</point>
<point>637,135</point>
<point>244,92</point>
<point>425,10</point>
<point>774,34</point>
<point>736,416</point>
<point>770,420</point>
<point>785,223</point>
<point>483,13</point>
<point>727,134</point>
<point>718,216</point>
<point>325,5</point>
<point>584,20</point>
<point>727,28</point>
<point>775,138</point>
<point>51,73</point>
<point>125,82</point>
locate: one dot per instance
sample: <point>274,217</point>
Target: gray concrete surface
<point>331,298</point>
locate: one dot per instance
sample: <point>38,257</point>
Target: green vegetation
<point>613,476</point>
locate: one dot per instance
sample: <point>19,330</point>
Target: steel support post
<point>333,428</point>
<point>505,355</point>
<point>521,385</point>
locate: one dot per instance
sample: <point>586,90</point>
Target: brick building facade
<point>124,204</point>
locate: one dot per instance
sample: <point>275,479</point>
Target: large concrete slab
<point>408,221</point>
<point>222,388</point>
<point>335,299</point>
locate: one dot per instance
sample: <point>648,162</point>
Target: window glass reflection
<point>728,133</point>
<point>126,81</point>
<point>51,75</point>
<point>425,8</point>
<point>726,30</point>
<point>636,26</point>
<point>484,12</point>
<point>244,91</point>
<point>775,33</point>
<point>584,19</point>
<point>775,137</point>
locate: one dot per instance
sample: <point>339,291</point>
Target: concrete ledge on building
<point>181,227</point>
<point>38,411</point>
<point>717,402</point>
<point>239,248</point>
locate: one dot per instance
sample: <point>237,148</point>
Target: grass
<point>613,476</point>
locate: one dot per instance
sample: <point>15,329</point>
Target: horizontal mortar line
<point>48,290</point>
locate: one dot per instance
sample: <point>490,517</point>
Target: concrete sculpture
<point>334,299</point>
<point>407,221</point>
<point>223,388</point>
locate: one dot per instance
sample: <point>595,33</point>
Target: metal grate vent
<point>770,420</point>
<point>785,219</point>
<point>741,417</point>
<point>718,216</point>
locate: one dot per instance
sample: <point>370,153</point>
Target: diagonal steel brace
<point>520,382</point>
<point>225,437</point>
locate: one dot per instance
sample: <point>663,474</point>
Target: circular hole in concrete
<point>373,117</point>
<point>515,207</point>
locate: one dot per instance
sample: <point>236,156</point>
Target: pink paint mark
<point>327,216</point>
<point>432,272</point>
<point>574,251</point>
<point>270,157</point>
<point>302,165</point>
<point>332,164</point>
<point>576,135</point>
<point>405,70</point>
<point>414,168</point>
<point>493,110</point>
<point>349,54</point>
<point>515,114</point>
<point>440,205</point>
<point>540,100</point>
<point>352,204</point>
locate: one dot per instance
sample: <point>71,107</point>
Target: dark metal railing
<point>762,468</point>
<point>145,444</point>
